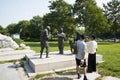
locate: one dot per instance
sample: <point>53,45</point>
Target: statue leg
<point>61,48</point>
<point>71,47</point>
<point>47,50</point>
<point>41,52</point>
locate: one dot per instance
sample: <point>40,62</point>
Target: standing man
<point>80,56</point>
<point>92,48</point>
<point>44,41</point>
<point>61,37</point>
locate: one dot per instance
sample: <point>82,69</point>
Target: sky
<point>13,11</point>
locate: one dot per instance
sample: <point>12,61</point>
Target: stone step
<point>99,58</point>
<point>55,62</point>
<point>13,57</point>
<point>6,49</point>
<point>16,52</point>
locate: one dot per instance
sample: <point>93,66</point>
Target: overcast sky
<point>13,11</point>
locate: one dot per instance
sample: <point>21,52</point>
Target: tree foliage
<point>112,12</point>
<point>84,13</point>
<point>89,16</point>
<point>22,28</point>
<point>36,27</point>
<point>61,16</point>
<point>11,28</point>
<point>3,30</point>
<point>27,29</point>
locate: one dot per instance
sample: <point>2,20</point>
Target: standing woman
<point>92,48</point>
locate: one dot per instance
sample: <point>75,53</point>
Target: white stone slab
<point>55,62</point>
<point>99,58</point>
<point>13,57</point>
<point>6,49</point>
<point>16,52</point>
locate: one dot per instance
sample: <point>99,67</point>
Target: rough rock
<point>6,42</point>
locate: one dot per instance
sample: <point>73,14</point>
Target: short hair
<point>93,36</point>
<point>82,36</point>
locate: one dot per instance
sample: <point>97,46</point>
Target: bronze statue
<point>44,41</point>
<point>61,36</point>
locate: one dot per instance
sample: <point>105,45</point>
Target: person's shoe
<point>47,57</point>
<point>40,56</point>
<point>85,78</point>
<point>78,76</point>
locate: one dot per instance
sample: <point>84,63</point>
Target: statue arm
<point>47,34</point>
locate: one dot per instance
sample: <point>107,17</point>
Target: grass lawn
<point>110,52</point>
<point>53,46</point>
<point>111,56</point>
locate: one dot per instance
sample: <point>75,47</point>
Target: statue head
<point>48,28</point>
<point>61,29</point>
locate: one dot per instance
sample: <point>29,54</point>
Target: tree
<point>36,27</point>
<point>23,29</point>
<point>61,16</point>
<point>50,21</point>
<point>3,30</point>
<point>11,28</point>
<point>112,11</point>
<point>90,16</point>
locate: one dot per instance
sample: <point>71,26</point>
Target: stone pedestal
<point>55,62</point>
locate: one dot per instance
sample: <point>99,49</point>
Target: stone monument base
<point>55,62</point>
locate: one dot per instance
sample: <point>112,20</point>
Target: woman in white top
<point>92,48</point>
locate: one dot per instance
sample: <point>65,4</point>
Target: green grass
<point>53,46</point>
<point>111,57</point>
<point>110,52</point>
<point>9,61</point>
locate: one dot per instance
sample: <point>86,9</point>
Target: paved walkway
<point>9,72</point>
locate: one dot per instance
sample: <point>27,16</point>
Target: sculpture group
<point>45,35</point>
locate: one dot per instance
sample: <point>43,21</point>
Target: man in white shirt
<point>80,56</point>
<point>92,48</point>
